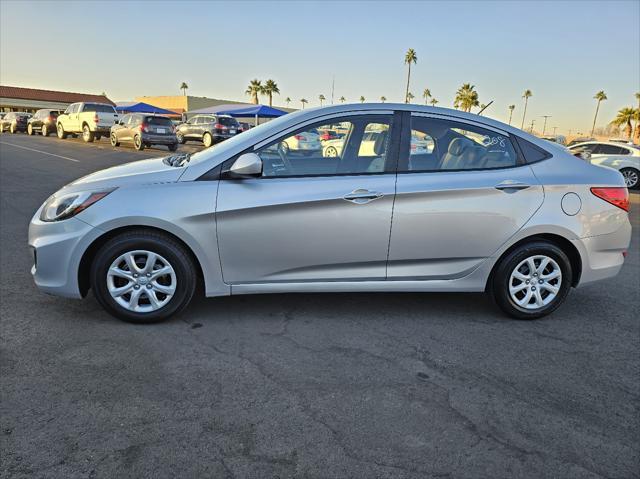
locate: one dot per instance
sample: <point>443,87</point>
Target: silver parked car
<point>486,207</point>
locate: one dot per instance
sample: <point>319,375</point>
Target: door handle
<point>511,185</point>
<point>361,196</point>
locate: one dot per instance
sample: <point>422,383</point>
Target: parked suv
<point>92,120</point>
<point>14,121</point>
<point>43,121</point>
<point>209,129</point>
<point>144,130</point>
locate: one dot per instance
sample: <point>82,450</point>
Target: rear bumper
<point>159,139</point>
<point>602,256</point>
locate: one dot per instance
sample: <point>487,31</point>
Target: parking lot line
<point>40,151</point>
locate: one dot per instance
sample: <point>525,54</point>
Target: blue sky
<point>563,51</point>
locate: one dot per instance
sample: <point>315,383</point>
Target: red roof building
<point>30,99</point>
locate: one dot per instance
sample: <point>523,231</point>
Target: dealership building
<point>30,99</point>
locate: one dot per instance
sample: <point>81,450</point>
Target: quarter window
<point>360,146</point>
<point>438,145</point>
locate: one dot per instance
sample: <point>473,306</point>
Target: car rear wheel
<point>87,134</point>
<point>137,143</point>
<point>331,152</point>
<point>114,140</point>
<point>207,140</point>
<point>29,129</point>
<point>61,133</point>
<point>173,147</point>
<point>44,130</point>
<point>532,281</point>
<point>12,129</point>
<point>143,277</point>
<point>631,176</point>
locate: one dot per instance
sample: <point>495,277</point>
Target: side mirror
<point>247,165</point>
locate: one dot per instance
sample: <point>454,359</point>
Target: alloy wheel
<point>141,281</point>
<point>535,282</point>
<point>630,178</point>
<point>86,133</point>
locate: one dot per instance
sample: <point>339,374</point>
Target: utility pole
<point>544,127</point>
<point>532,123</point>
<point>554,129</point>
<point>333,88</point>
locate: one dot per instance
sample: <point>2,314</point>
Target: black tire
<point>631,174</point>
<point>499,284</point>
<point>61,133</point>
<point>98,137</point>
<point>114,141</point>
<point>180,138</point>
<point>173,147</point>
<point>44,130</point>
<point>207,140</point>
<point>29,129</point>
<point>12,129</point>
<point>161,244</point>
<point>87,135</point>
<point>138,143</point>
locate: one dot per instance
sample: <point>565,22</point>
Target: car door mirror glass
<point>246,165</point>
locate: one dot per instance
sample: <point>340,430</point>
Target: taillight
<point>219,126</point>
<point>95,118</point>
<point>617,196</point>
<point>299,137</point>
<point>51,119</point>
<point>144,127</point>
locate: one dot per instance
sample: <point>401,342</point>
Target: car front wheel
<point>143,277</point>
<point>631,176</point>
<point>532,281</point>
<point>207,140</point>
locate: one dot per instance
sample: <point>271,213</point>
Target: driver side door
<point>310,217</point>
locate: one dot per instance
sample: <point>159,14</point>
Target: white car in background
<point>305,142</point>
<point>623,157</point>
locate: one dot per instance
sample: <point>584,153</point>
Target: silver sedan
<point>482,207</point>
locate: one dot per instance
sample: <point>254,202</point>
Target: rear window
<point>54,113</point>
<point>158,120</point>
<point>226,121</point>
<point>98,107</point>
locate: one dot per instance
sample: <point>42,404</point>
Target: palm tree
<point>410,97</point>
<point>383,98</point>
<point>342,99</point>
<point>254,89</point>
<point>321,98</point>
<point>433,101</point>
<point>184,88</point>
<point>362,99</point>
<point>426,94</point>
<point>287,101</point>
<point>600,96</point>
<point>270,88</point>
<point>409,58</point>
<point>636,135</point>
<point>304,102</point>
<point>511,108</point>
<point>466,97</point>
<point>526,95</point>
<point>624,117</point>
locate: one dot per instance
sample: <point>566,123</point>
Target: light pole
<point>554,129</point>
<point>532,123</point>
<point>544,126</point>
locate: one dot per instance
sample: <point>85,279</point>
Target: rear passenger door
<point>462,191</point>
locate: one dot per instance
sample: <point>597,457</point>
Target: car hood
<point>140,172</point>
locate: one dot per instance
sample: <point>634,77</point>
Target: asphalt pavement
<point>297,386</point>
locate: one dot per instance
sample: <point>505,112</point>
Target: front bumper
<point>57,248</point>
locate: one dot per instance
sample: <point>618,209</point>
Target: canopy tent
<point>141,107</point>
<point>241,110</point>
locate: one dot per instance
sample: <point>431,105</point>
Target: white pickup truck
<point>92,120</point>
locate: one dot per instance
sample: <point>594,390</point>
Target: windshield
<point>254,135</point>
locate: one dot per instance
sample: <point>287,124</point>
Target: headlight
<point>61,207</point>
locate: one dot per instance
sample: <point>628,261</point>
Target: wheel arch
<point>560,241</point>
<point>84,269</point>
